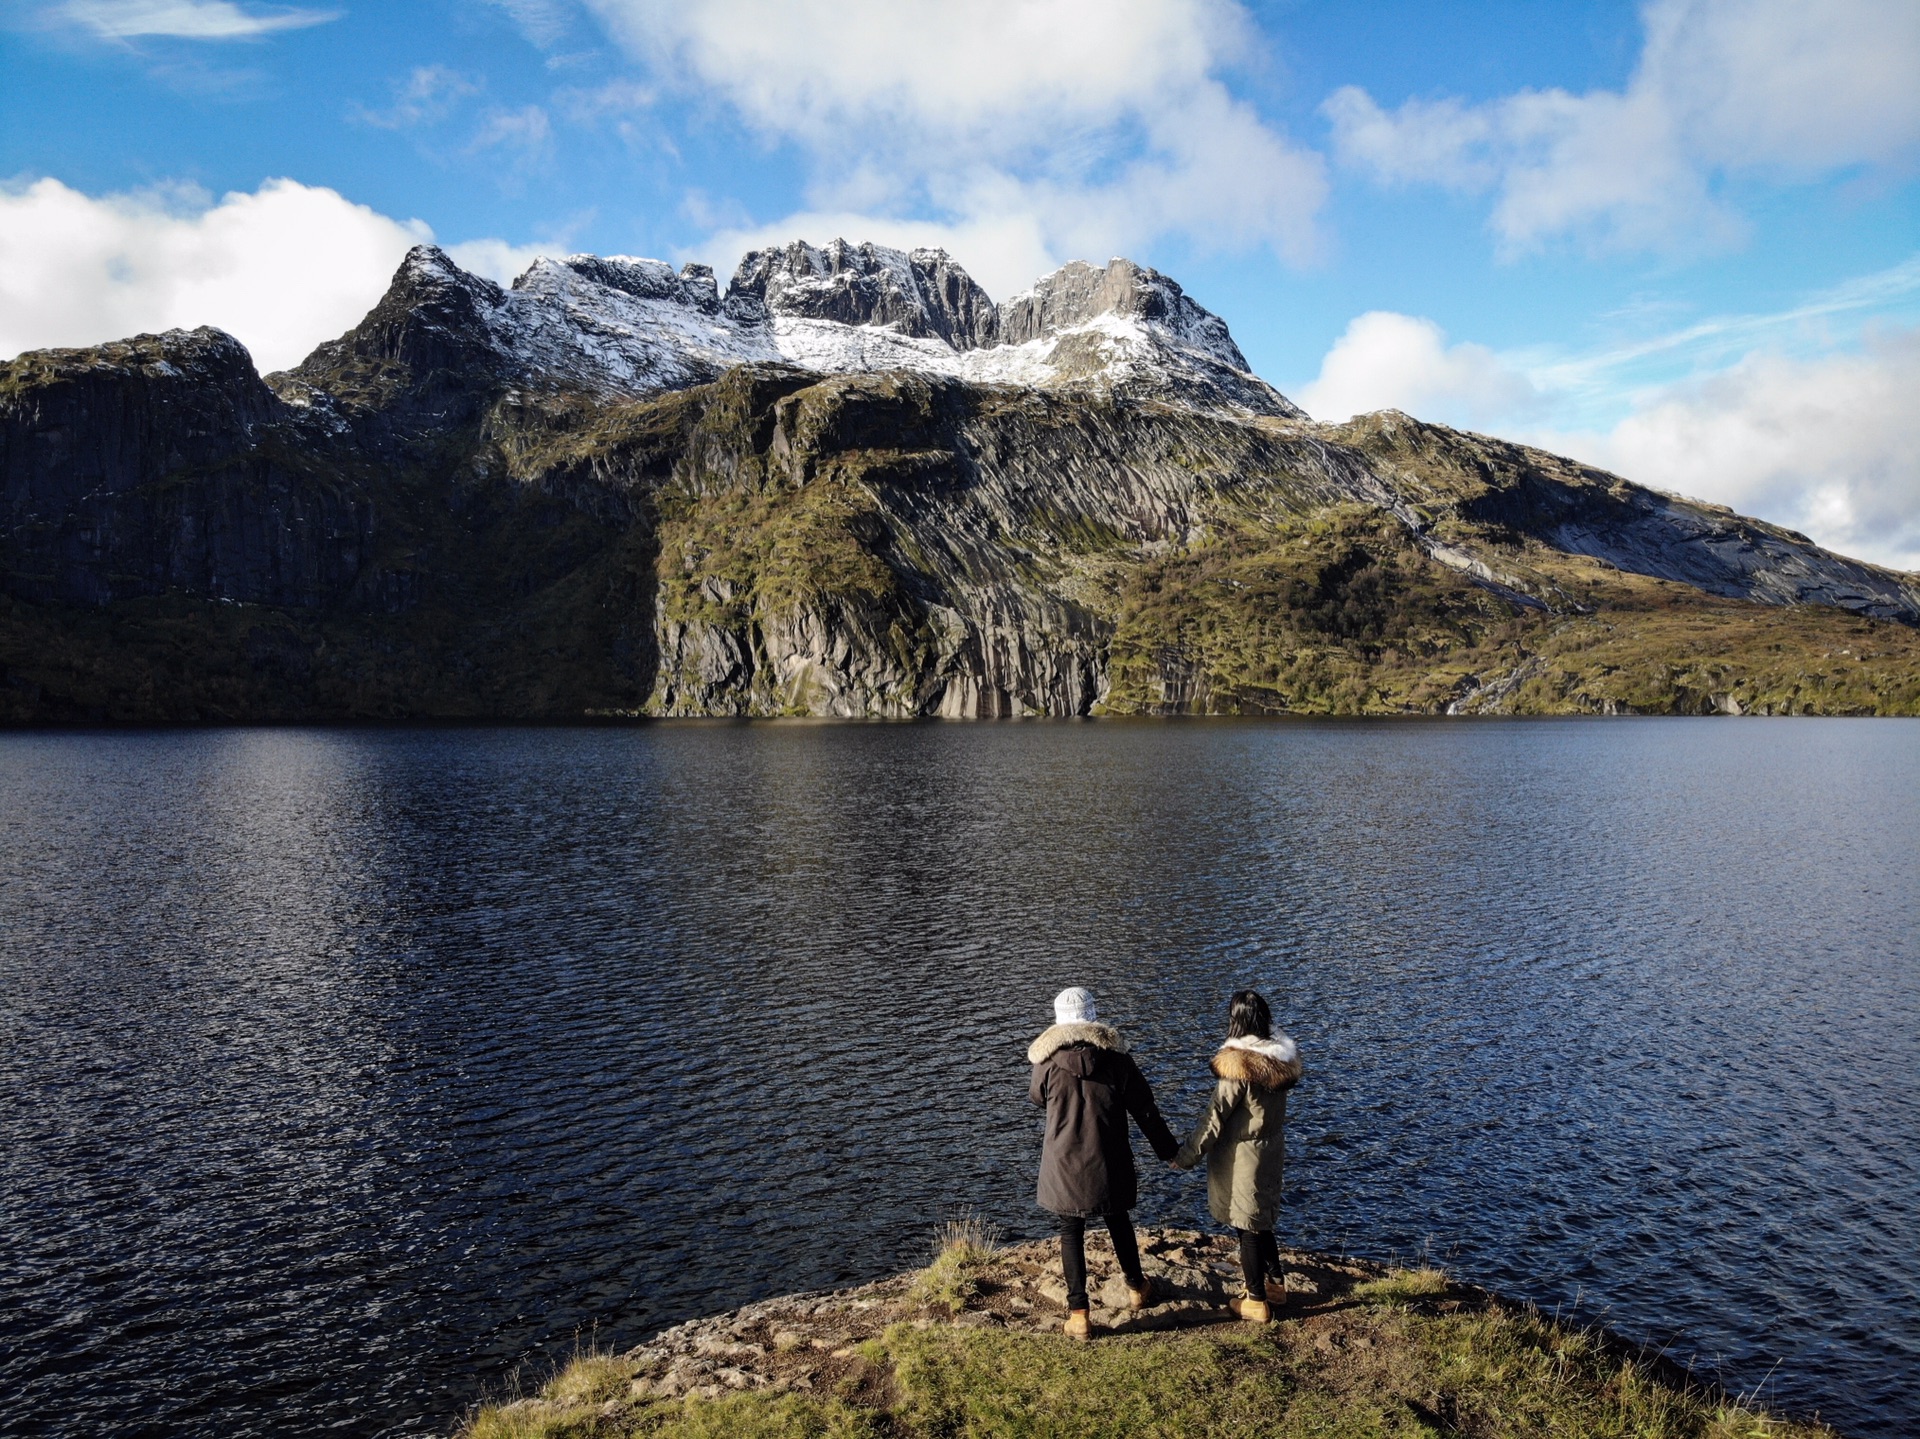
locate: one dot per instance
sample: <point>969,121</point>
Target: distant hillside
<point>851,485</point>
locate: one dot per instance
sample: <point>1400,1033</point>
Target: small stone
<point>1053,1289</point>
<point>1300,1284</point>
<point>785,1341</point>
<point>722,1349</point>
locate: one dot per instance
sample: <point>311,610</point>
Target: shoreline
<point>1353,1333</point>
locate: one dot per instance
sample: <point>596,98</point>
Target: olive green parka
<point>1242,1134</point>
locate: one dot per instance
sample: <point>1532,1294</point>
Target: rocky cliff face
<point>850,486</point>
<point>922,293</point>
<point>95,462</point>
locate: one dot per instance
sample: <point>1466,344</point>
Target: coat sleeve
<point>1037,1087</point>
<point>1226,1094</point>
<point>1138,1097</point>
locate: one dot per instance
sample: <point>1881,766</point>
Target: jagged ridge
<point>628,327</point>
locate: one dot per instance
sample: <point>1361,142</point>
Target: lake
<point>346,1072</point>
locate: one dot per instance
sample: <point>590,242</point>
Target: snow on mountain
<point>633,326</point>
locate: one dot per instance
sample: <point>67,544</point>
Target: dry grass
<point>570,1405</point>
<point>962,1247</point>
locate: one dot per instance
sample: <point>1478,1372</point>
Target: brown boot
<point>1079,1325</point>
<point>1276,1291</point>
<point>1141,1297</point>
<point>1254,1311</point>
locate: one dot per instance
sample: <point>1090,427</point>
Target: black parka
<point>1089,1084</point>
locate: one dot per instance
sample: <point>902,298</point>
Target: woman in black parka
<point>1089,1084</point>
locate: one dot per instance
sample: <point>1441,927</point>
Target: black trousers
<point>1073,1252</point>
<point>1259,1259</point>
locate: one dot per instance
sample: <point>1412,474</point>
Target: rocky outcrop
<point>921,293</point>
<point>806,1342</point>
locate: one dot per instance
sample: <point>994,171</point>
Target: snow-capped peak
<point>630,326</point>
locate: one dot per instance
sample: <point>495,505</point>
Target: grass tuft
<point>1403,1286</point>
<point>963,1247</point>
<point>569,1404</point>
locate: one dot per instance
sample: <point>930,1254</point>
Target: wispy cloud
<point>545,23</point>
<point>185,19</point>
<point>1615,372</point>
<point>524,136</point>
<point>428,95</point>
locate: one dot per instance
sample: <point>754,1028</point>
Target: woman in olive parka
<point>1242,1136</point>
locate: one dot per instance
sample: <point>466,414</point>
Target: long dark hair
<point>1248,1016</point>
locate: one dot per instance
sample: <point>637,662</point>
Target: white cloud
<point>282,268</point>
<point>185,19</point>
<point>497,260</point>
<point>1722,87</point>
<point>1094,125</point>
<point>1829,446</point>
<point>991,69</point>
<point>1388,361</point>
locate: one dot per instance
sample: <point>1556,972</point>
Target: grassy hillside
<point>778,542</point>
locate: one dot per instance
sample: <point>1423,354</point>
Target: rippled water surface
<point>342,1072</point>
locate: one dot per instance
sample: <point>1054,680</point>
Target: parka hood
<point>1270,1063</point>
<point>1051,1041</point>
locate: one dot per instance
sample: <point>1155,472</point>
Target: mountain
<point>855,485</point>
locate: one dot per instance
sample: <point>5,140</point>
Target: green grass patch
<point>1372,1371</point>
<point>1402,1286</point>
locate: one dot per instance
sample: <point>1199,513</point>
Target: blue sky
<point>1681,239</point>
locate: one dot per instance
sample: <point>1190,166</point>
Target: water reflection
<point>347,1069</point>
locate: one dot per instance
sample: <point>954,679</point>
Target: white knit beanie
<point>1074,1006</point>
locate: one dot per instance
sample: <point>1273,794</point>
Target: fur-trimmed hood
<point>1100,1036</point>
<point>1270,1063</point>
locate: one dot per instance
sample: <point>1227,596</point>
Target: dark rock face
<point>928,296</point>
<point>649,280</point>
<point>423,359</point>
<point>148,465</point>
